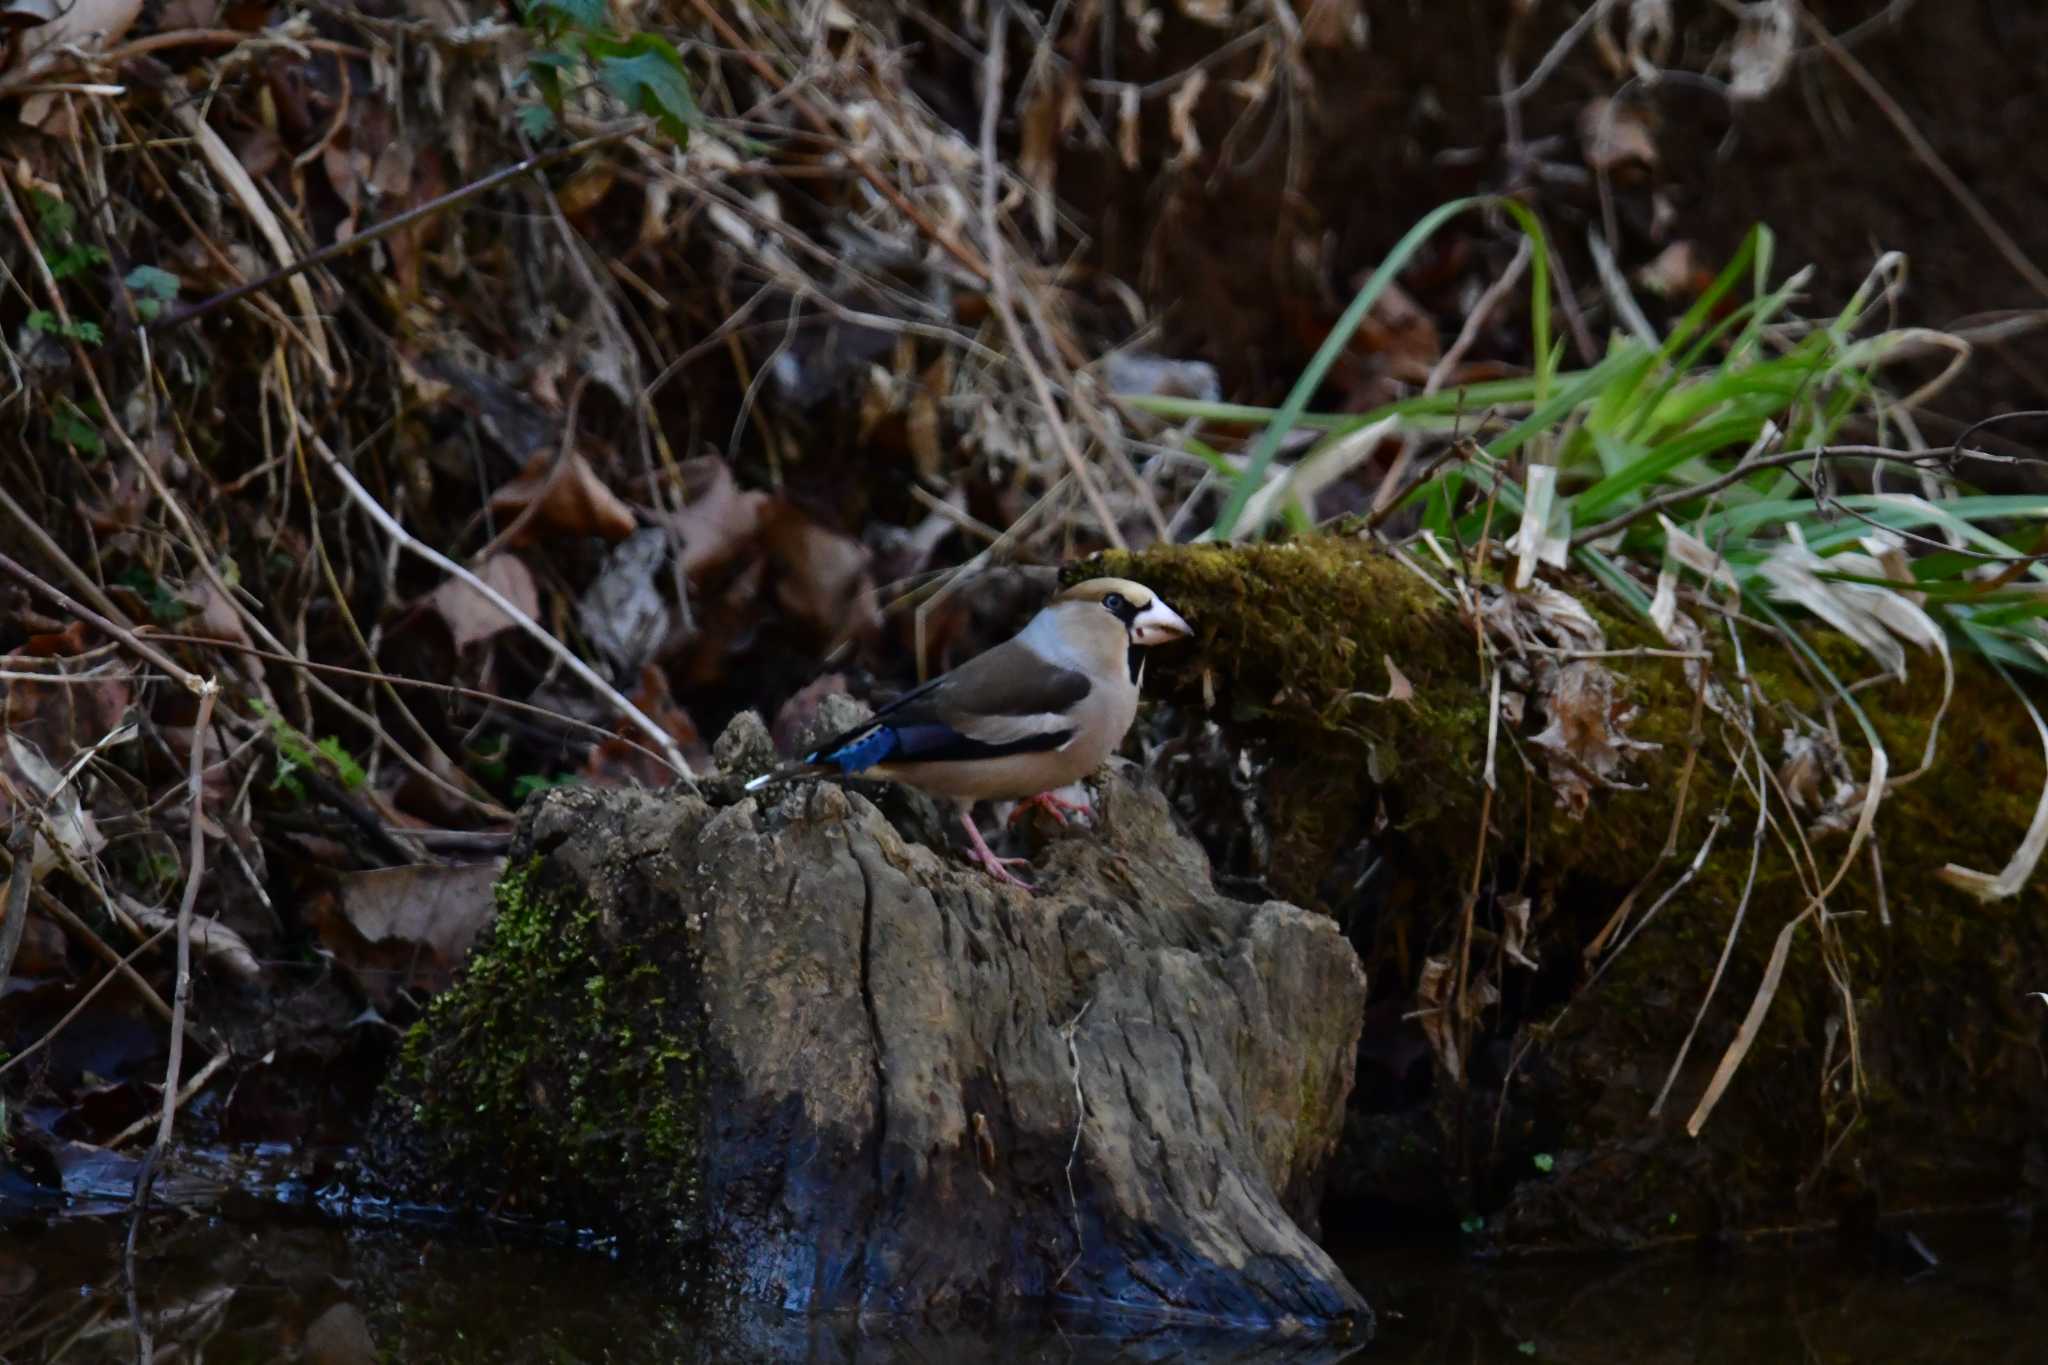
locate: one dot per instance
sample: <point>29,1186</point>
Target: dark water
<point>233,1289</point>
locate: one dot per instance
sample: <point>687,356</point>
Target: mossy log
<point>820,1066</point>
<point>1900,1070</point>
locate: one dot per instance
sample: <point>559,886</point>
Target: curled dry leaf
<point>624,759</point>
<point>50,26</point>
<point>624,612</point>
<point>821,576</point>
<point>1586,741</point>
<point>1180,119</point>
<point>408,927</point>
<point>219,945</point>
<point>1617,139</point>
<point>559,496</point>
<point>1763,49</point>
<point>31,779</point>
<point>1433,1004</point>
<point>1514,918</point>
<point>720,521</point>
<point>472,617</point>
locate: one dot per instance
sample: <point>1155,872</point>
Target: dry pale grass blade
<point>1752,1023</point>
<point>229,168</point>
<point>2016,873</point>
<point>1760,791</point>
<point>1298,485</point>
<point>1534,541</point>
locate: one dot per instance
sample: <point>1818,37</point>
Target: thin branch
<point>389,524</point>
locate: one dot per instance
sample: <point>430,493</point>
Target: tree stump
<point>822,1066</point>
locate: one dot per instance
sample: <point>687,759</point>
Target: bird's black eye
<point>1119,607</point>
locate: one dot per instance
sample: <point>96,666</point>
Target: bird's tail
<point>784,772</point>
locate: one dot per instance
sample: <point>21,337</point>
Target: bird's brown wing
<point>1006,701</point>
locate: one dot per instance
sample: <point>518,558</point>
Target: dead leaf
<point>1676,273</point>
<point>1514,918</point>
<point>559,496</point>
<point>1762,53</point>
<point>32,779</point>
<point>719,521</point>
<point>1617,140</point>
<point>1586,741</point>
<point>211,939</point>
<point>1127,126</point>
<point>408,927</point>
<point>1049,111</point>
<point>821,576</point>
<point>1180,120</point>
<point>472,617</point>
<point>624,759</point>
<point>624,612</point>
<point>1433,1004</point>
<point>90,25</point>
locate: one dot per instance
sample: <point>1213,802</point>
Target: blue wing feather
<point>863,751</point>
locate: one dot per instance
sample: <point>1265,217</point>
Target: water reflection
<point>225,1290</point>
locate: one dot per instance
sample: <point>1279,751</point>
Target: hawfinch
<point>1031,715</point>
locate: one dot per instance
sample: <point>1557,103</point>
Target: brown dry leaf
<point>1617,140</point>
<point>408,927</point>
<point>1514,918</point>
<point>1127,126</point>
<point>821,576</point>
<point>30,779</point>
<point>1180,120</point>
<point>1763,50</point>
<point>1586,742</point>
<point>625,760</point>
<point>91,25</point>
<point>183,14</point>
<point>214,941</point>
<point>1334,23</point>
<point>1676,272</point>
<point>1433,1003</point>
<point>1402,335</point>
<point>559,497</point>
<point>624,613</point>
<point>473,618</point>
<point>1049,111</point>
<point>720,521</point>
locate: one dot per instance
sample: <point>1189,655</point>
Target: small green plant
<point>76,427</point>
<point>530,783</point>
<point>66,256</point>
<point>295,752</point>
<point>1472,1225</point>
<point>154,290</point>
<point>644,70</point>
<point>1544,1162</point>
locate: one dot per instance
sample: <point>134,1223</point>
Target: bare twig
<point>1919,459</point>
<point>999,280</point>
<point>665,742</point>
<point>1924,150</point>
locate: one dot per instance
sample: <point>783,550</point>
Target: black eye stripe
<point>1120,607</point>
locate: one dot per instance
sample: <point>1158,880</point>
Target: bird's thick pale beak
<point>1157,624</point>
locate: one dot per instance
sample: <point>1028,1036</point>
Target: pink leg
<point>1056,807</point>
<point>994,866</point>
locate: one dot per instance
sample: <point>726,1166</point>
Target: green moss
<point>565,1063</point>
<point>1288,636</point>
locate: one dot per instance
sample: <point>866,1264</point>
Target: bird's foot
<point>1057,807</point>
<point>998,868</point>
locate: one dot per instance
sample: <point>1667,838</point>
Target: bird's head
<point>1144,613</point>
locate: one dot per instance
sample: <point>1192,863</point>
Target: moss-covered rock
<point>1906,985</point>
